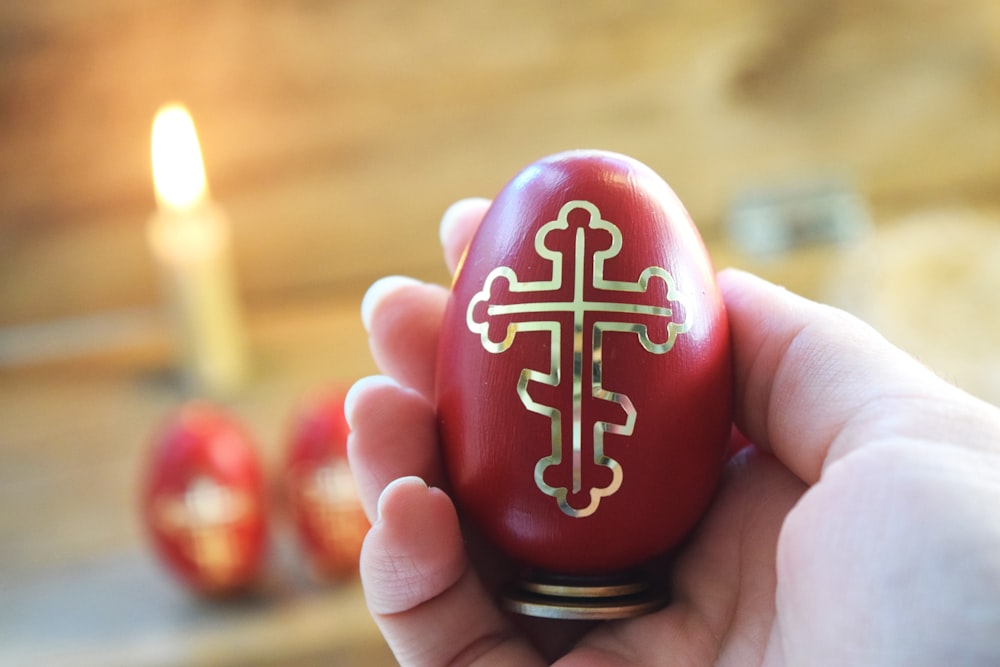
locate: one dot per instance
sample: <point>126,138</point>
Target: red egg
<point>584,379</point>
<point>329,520</point>
<point>203,501</point>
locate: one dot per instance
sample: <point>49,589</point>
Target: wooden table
<point>78,585</point>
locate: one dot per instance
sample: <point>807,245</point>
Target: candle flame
<point>178,170</point>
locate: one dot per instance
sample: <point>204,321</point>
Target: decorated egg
<point>203,501</point>
<point>584,379</point>
<point>325,506</point>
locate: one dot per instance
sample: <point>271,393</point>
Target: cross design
<point>330,500</point>
<point>203,518</point>
<point>614,314</point>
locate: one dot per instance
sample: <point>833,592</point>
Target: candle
<point>189,237</point>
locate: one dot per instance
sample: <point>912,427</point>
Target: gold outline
<point>579,307</point>
<point>202,518</point>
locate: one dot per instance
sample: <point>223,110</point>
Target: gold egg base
<point>571,597</point>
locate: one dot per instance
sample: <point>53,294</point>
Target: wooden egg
<point>584,379</point>
<point>330,523</point>
<point>203,501</point>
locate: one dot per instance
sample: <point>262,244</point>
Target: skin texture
<point>861,529</point>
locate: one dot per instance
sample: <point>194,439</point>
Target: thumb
<point>813,383</point>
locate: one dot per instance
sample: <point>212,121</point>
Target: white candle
<point>189,236</point>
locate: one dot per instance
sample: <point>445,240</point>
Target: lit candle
<point>189,236</point>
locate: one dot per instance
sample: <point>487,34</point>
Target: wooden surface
<point>335,134</point>
<point>78,583</point>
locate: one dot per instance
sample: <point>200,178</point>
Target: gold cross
<point>203,518</point>
<point>632,317</point>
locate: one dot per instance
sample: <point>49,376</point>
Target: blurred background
<point>847,149</point>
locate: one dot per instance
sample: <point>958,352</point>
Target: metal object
<point>584,598</point>
<point>771,220</point>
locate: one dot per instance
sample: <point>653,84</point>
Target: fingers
<point>403,316</point>
<point>403,320</point>
<point>393,434</point>
<point>421,590</point>
<point>428,602</point>
<point>457,227</point>
<point>813,383</point>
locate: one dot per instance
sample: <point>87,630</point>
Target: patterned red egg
<point>584,378</point>
<point>203,501</point>
<point>329,520</point>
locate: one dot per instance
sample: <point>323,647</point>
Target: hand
<point>862,529</point>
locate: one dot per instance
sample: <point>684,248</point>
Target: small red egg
<point>203,501</point>
<point>584,380</point>
<point>329,520</point>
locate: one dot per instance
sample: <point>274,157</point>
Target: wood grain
<point>336,132</point>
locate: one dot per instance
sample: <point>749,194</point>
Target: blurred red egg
<point>329,520</point>
<point>584,375</point>
<point>203,501</point>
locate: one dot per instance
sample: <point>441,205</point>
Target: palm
<point>723,580</point>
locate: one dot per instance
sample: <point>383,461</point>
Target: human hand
<point>862,529</point>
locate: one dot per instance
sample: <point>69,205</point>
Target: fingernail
<point>455,212</point>
<point>357,388</point>
<point>402,481</point>
<point>379,289</point>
